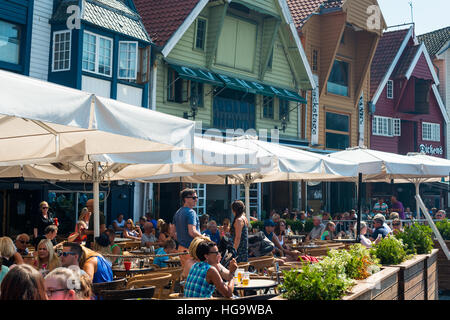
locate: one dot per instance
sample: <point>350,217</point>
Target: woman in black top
<point>42,221</point>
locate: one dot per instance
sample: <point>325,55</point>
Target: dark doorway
<point>21,206</point>
<point>408,140</point>
<point>169,200</point>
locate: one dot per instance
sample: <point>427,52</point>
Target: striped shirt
<point>196,285</point>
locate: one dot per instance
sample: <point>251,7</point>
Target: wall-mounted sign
<point>315,113</point>
<point>429,149</point>
<point>361,116</point>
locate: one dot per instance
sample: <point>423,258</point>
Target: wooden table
<point>256,284</point>
<point>117,240</point>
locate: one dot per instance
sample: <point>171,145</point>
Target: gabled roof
<point>389,51</point>
<point>435,40</point>
<point>109,14</point>
<point>163,18</point>
<point>405,62</point>
<point>302,10</point>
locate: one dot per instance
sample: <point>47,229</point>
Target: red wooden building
<point>407,112</point>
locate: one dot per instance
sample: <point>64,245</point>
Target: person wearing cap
<point>440,215</point>
<point>317,230</point>
<point>269,228</point>
<point>379,227</point>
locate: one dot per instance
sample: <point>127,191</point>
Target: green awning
<point>260,88</point>
<point>217,79</point>
<point>196,74</point>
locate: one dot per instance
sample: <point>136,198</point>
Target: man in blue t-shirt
<point>169,247</point>
<point>186,223</point>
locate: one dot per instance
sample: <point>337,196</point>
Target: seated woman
<point>131,231</point>
<point>61,284</point>
<point>203,279</point>
<point>280,232</point>
<point>164,233</point>
<point>328,233</point>
<point>397,226</point>
<point>8,252</point>
<point>79,235</point>
<point>46,259</point>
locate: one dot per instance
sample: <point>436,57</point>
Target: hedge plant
<point>390,250</point>
<point>444,228</point>
<point>417,239</point>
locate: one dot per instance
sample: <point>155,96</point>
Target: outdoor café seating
<point>159,280</point>
<point>112,285</point>
<point>262,263</point>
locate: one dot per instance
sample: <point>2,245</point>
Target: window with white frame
<point>128,56</point>
<point>390,89</point>
<point>382,126</point>
<point>431,131</point>
<point>61,50</point>
<point>97,54</point>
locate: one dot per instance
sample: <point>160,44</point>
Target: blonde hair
<point>159,223</point>
<point>132,224</point>
<point>80,224</point>
<point>42,204</point>
<point>83,214</point>
<point>194,245</point>
<point>72,279</point>
<point>53,260</point>
<point>7,248</point>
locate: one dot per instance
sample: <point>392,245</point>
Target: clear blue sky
<point>429,15</point>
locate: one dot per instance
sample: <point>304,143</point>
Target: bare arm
<point>213,277</point>
<point>35,232</point>
<point>238,225</point>
<point>193,231</point>
<point>18,258</point>
<point>89,267</point>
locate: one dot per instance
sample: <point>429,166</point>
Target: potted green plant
<point>417,239</point>
<point>390,250</point>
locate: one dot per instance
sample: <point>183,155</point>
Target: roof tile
<point>435,40</point>
<point>301,10</point>
<point>387,49</point>
<point>162,18</point>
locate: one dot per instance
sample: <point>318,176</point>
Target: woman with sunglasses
<point>131,231</point>
<point>397,226</point>
<point>63,284</point>
<point>41,221</point>
<point>203,279</point>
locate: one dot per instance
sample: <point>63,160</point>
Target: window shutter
<point>397,127</point>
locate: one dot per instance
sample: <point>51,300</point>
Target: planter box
<point>443,267</point>
<point>382,285</point>
<point>417,278</point>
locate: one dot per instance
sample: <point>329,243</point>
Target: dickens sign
<point>429,149</point>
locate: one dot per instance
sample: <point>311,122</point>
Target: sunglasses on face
<point>23,241</point>
<point>44,207</point>
<point>51,292</point>
<point>214,252</point>
<point>66,253</point>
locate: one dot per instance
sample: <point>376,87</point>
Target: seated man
<point>317,230</point>
<point>148,237</point>
<point>269,228</point>
<point>71,255</point>
<point>212,232</point>
<point>50,233</point>
<point>380,229</point>
<point>21,244</point>
<point>119,223</point>
<point>169,247</point>
<point>203,279</point>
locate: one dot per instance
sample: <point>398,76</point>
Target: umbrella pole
<point>96,190</point>
<point>417,185</point>
<point>247,199</point>
<point>358,220</point>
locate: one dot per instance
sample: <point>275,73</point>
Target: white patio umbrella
<point>378,166</point>
<point>279,163</point>
<point>206,157</point>
<point>41,122</point>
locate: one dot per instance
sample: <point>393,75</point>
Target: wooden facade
<point>341,35</point>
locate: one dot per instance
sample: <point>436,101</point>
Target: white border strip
<point>184,27</point>
<point>440,102</point>
<point>392,67</point>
